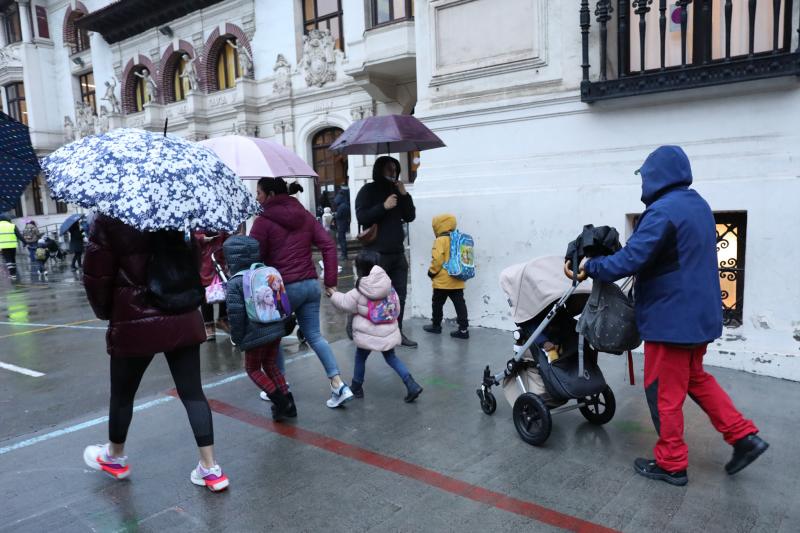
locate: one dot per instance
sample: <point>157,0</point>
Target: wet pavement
<point>379,464</point>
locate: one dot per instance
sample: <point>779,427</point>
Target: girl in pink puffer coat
<point>375,307</point>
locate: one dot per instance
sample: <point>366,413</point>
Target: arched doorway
<point>331,167</point>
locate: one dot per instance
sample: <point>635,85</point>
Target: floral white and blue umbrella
<point>149,181</point>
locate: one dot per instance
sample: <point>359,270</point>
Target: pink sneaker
<point>97,457</point>
<point>213,478</point>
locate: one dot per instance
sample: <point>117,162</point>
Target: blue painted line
<point>141,407</point>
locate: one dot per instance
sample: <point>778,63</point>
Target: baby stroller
<point>539,383</point>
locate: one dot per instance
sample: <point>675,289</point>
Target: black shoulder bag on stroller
<point>608,321</point>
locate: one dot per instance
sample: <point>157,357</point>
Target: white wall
<point>525,169</point>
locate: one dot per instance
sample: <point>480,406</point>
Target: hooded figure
<point>366,335</point>
<point>673,254</point>
<point>443,225</point>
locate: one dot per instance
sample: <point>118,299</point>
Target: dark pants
<point>670,373</point>
<point>456,296</point>
<point>396,267</point>
<point>341,237</point>
<point>184,365</point>
<point>389,356</point>
<point>10,259</point>
<point>208,312</point>
<point>76,260</point>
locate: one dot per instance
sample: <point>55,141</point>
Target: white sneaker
<point>339,396</point>
<point>213,478</point>
<point>96,457</point>
<point>264,396</point>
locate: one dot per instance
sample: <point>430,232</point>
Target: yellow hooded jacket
<point>442,226</point>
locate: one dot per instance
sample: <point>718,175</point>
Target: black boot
<point>357,388</point>
<point>745,451</point>
<point>280,405</point>
<point>408,343</point>
<point>291,411</point>
<point>413,389</point>
<point>433,328</point>
<point>649,469</point>
<point>460,334</point>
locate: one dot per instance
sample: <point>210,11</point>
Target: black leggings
<point>208,312</point>
<point>184,365</point>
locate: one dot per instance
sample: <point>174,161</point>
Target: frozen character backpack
<point>384,311</point>
<point>461,264</point>
<point>265,297</point>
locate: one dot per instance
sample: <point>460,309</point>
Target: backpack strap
<point>256,265</point>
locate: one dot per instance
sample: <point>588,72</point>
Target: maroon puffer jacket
<point>285,232</point>
<point>115,277</point>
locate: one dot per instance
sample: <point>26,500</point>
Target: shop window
<point>324,15</point>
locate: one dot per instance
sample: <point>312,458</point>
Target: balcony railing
<point>650,47</point>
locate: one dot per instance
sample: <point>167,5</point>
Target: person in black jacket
<point>386,203</point>
<point>342,213</point>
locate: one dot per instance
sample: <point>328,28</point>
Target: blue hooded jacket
<point>673,254</point>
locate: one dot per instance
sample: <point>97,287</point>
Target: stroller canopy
<point>533,286</point>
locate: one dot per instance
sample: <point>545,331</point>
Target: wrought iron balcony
<point>650,47</point>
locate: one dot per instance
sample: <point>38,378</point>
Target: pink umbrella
<point>253,158</point>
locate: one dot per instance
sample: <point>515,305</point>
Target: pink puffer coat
<point>366,335</point>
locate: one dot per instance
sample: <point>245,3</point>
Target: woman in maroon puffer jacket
<point>115,277</point>
<point>285,232</point>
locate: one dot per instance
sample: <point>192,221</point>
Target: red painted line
<point>412,471</point>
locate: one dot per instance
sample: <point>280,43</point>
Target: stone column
<point>25,20</point>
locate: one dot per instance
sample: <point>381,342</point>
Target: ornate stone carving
<point>84,119</point>
<point>283,126</point>
<point>69,129</point>
<point>111,96</point>
<point>362,111</point>
<point>245,59</point>
<point>101,122</point>
<point>9,57</point>
<point>217,101</point>
<point>283,75</point>
<point>319,59</point>
<point>244,130</point>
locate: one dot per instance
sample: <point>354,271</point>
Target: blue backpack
<point>461,264</point>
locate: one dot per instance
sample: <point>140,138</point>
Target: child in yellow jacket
<point>444,285</point>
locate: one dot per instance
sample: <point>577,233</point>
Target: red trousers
<point>670,373</point>
<point>261,364</point>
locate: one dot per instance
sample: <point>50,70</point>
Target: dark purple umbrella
<point>385,135</point>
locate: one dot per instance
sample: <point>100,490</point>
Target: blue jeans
<point>391,359</point>
<point>304,297</point>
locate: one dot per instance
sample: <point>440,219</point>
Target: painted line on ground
<point>45,325</point>
<point>50,327</point>
<point>141,407</point>
<point>418,473</point>
<point>21,370</point>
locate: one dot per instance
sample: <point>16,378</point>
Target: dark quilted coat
<point>115,277</point>
<point>242,252</point>
<point>285,232</point>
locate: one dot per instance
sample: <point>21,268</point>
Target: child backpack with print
<point>384,311</point>
<point>265,298</point>
<point>461,264</point>
<point>41,253</point>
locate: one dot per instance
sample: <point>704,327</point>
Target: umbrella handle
<point>571,275</point>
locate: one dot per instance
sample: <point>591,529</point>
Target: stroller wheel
<point>532,419</point>
<point>349,327</point>
<point>599,408</point>
<point>488,402</point>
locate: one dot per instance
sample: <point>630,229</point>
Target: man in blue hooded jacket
<point>673,254</point>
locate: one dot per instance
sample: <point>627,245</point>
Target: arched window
<point>141,90</point>
<point>227,64</point>
<point>78,37</point>
<point>180,85</point>
<point>331,167</point>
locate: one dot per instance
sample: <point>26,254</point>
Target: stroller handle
<point>571,275</point>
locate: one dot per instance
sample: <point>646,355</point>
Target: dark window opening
<point>386,11</point>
